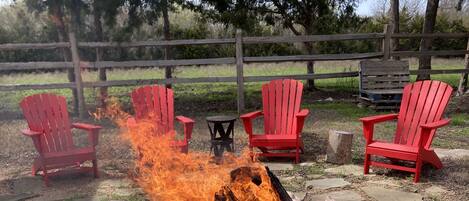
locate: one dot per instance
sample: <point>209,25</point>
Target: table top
<point>221,119</point>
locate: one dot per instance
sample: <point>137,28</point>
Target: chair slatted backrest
<point>48,113</point>
<point>281,100</point>
<point>422,102</point>
<point>383,75</point>
<point>155,103</point>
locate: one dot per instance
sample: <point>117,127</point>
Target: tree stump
<point>339,149</point>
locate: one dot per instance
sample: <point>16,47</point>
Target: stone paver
<point>384,183</point>
<point>452,153</point>
<point>279,166</point>
<point>307,164</point>
<point>346,195</point>
<point>386,194</point>
<point>297,196</point>
<point>355,170</point>
<point>327,183</point>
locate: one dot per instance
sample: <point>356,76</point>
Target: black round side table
<point>223,140</point>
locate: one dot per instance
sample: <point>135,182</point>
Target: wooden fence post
<point>462,88</point>
<point>239,70</point>
<point>77,71</point>
<point>387,42</point>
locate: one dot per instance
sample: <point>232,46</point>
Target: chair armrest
<point>251,115</point>
<point>35,136</point>
<point>30,133</point>
<point>85,126</point>
<point>247,121</point>
<point>378,118</point>
<point>93,131</point>
<point>188,124</point>
<point>301,116</point>
<point>369,122</point>
<point>436,124</point>
<point>428,131</point>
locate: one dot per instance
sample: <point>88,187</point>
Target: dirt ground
<point>115,155</point>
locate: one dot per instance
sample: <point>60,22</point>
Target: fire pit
<point>252,183</point>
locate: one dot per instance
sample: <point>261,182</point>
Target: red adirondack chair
<point>51,132</point>
<point>156,103</point>
<point>422,107</point>
<point>283,120</point>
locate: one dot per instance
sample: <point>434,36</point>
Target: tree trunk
<point>167,36</point>
<point>310,85</point>
<point>99,54</point>
<point>426,43</point>
<point>394,12</point>
<point>56,15</point>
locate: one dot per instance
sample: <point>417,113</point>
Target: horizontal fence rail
<point>77,64</point>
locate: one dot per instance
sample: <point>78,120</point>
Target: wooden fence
<point>239,60</point>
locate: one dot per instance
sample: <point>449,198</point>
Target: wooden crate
<point>382,82</point>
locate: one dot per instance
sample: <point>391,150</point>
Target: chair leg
<point>35,167</point>
<point>366,166</point>
<point>297,155</point>
<point>418,169</point>
<point>95,168</point>
<point>45,176</point>
<point>185,149</point>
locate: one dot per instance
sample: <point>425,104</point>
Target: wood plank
<point>158,81</point>
<point>29,46</point>
<point>14,87</point>
<point>432,35</point>
<point>35,65</point>
<point>152,63</point>
<point>157,43</point>
<point>403,78</point>
<point>300,77</point>
<point>316,57</point>
<point>383,91</point>
<point>383,85</point>
<point>444,71</point>
<point>430,53</point>
<point>310,38</point>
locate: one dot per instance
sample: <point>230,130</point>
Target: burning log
<point>252,184</point>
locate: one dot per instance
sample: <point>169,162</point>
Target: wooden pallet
<point>381,83</point>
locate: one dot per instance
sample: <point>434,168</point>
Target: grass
<point>206,92</point>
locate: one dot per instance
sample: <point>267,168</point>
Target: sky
<point>364,8</point>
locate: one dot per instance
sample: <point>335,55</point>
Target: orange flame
<point>165,173</point>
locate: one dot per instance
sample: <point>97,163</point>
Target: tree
<point>300,17</point>
<point>394,16</point>
<point>426,43</point>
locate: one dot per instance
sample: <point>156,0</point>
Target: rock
<point>346,195</point>
<point>307,164</point>
<point>339,149</point>
<point>327,183</point>
<point>355,170</point>
<point>452,153</point>
<point>435,191</point>
<point>297,196</point>
<point>279,166</point>
<point>386,194</point>
<point>329,99</point>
